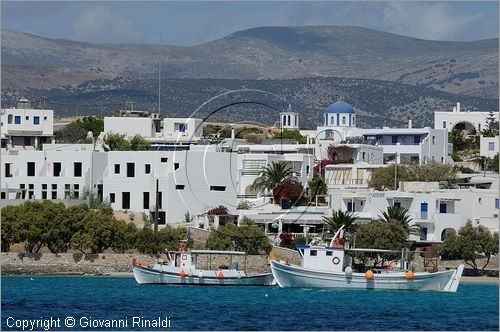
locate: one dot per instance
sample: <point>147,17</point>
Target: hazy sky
<point>182,23</point>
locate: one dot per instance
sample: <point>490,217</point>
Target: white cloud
<point>434,21</point>
<point>99,24</point>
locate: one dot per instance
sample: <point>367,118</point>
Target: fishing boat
<point>180,269</point>
<point>329,266</point>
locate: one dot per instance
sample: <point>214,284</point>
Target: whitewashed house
<point>24,128</point>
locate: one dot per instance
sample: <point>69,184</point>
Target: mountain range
<point>299,55</point>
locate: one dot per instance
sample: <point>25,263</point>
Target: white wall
<point>489,146</point>
<point>129,126</point>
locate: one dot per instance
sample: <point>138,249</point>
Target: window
<point>145,200</point>
<point>147,169</point>
<point>344,120</point>
<point>125,200</point>
<point>31,168</point>
<point>160,199</point>
<point>313,253</point>
<point>44,195</point>
<point>45,118</point>
<point>54,186</point>
<point>77,169</point>
<point>27,118</point>
<point>57,169</point>
<point>307,169</point>
<point>9,119</point>
<point>179,187</point>
<point>442,208</point>
<point>182,127</point>
<point>111,197</point>
<point>164,159</point>
<point>444,124</point>
<point>397,205</point>
<point>44,186</point>
<point>130,170</point>
<point>17,119</point>
<point>329,253</point>
<point>8,174</point>
<point>217,188</point>
<point>433,139</point>
<point>497,203</point>
<point>54,195</point>
<point>117,168</point>
<point>36,120</point>
<point>176,166</point>
<point>31,186</point>
<point>491,146</point>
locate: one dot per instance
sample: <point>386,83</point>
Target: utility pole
<point>396,173</point>
<point>157,205</point>
<point>159,81</point>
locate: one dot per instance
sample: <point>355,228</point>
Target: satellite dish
<point>274,225</point>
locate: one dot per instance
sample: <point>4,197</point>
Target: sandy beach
<point>480,280</point>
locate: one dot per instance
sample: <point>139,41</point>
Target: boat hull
<point>145,275</point>
<point>296,276</point>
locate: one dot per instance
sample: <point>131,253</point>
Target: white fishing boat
<point>329,266</point>
<point>180,269</point>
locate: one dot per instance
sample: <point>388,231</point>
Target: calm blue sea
<point>473,307</point>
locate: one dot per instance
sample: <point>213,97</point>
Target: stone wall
<point>47,263</point>
<point>284,254</point>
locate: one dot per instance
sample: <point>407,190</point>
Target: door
<point>442,208</point>
<point>423,233</point>
<point>351,206</point>
<point>423,210</point>
<point>397,205</point>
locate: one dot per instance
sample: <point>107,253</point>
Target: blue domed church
<point>339,114</point>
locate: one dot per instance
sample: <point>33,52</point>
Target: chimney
<point>458,107</point>
<point>410,123</point>
<point>232,133</point>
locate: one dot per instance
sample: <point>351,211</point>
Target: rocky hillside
<point>469,68</point>
<point>378,102</point>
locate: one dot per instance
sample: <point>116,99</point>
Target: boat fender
<point>220,275</point>
<point>348,271</point>
<point>239,275</point>
<point>369,275</point>
<point>190,273</point>
<point>336,260</point>
<point>409,275</point>
<point>182,274</point>
<point>200,274</point>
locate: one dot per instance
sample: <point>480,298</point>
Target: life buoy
<point>336,260</point>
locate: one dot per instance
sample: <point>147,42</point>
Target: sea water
<point>92,302</point>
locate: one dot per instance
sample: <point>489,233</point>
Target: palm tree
<point>340,218</point>
<point>401,215</point>
<point>271,176</point>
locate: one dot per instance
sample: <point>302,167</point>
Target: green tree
<point>125,236</point>
<point>291,134</point>
<point>97,233</point>
<point>400,215</point>
<point>470,244</point>
<point>11,223</point>
<point>272,175</point>
<point>116,142</point>
<point>340,218</point>
<point>380,234</point>
<point>458,140</point>
<point>91,123</point>
<point>138,143</point>
<point>71,134</point>
<point>317,187</point>
<point>494,162</point>
<point>492,123</point>
<point>248,237</point>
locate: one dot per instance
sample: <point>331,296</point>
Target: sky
<point>190,23</point>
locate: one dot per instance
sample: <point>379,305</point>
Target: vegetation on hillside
<point>383,177</point>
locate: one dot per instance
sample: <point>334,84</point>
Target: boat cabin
<point>332,259</point>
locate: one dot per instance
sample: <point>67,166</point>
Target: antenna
<point>159,81</point>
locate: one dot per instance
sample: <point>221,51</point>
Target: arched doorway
<point>447,232</point>
<point>465,128</point>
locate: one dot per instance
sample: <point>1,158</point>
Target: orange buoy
<point>369,275</point>
<point>410,275</point>
<point>220,275</point>
<point>182,274</point>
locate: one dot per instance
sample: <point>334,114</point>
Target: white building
<point>434,210</point>
<point>423,145</point>
<point>151,127</point>
<point>489,146</point>
<point>472,122</point>
<point>25,128</point>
